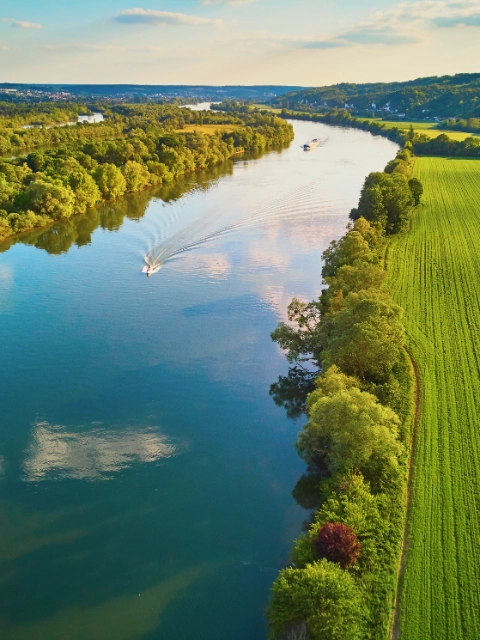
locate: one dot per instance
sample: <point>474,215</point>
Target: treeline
<point>58,183</point>
<point>442,145</point>
<point>352,376</point>
<point>120,121</point>
<point>17,114</point>
<point>470,125</point>
<point>59,237</point>
<point>444,96</point>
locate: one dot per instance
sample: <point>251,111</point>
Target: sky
<point>306,42</point>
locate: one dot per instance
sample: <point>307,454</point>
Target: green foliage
<point>354,441</point>
<point>320,596</point>
<point>135,148</point>
<point>444,96</point>
<point>386,201</point>
<point>416,187</point>
<point>110,181</point>
<point>365,336</point>
<point>348,430</point>
<point>50,199</point>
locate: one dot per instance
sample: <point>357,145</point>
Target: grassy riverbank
<point>434,275</point>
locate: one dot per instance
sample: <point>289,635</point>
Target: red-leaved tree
<point>338,543</point>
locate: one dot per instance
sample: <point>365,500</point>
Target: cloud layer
<point>163,18</point>
<point>21,24</point>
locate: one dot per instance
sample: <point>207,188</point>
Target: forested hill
<point>443,97</point>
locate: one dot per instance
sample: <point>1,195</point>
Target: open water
<point>145,473</point>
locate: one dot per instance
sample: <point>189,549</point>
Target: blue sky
<point>307,42</point>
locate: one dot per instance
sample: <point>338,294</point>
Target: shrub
<point>322,597</point>
<point>338,543</point>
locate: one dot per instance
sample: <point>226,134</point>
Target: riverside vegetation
<point>352,376</point>
<point>137,147</point>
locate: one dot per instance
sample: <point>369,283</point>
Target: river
<point>146,474</point>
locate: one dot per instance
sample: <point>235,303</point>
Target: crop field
<point>427,128</point>
<point>434,273</point>
<point>210,129</point>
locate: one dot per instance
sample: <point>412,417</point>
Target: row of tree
<point>470,125</point>
<point>442,145</point>
<point>351,374</point>
<point>49,185</point>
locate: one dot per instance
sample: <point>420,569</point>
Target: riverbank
<point>50,185</point>
<point>352,375</point>
<point>433,275</point>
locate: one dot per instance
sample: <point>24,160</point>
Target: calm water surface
<point>146,474</point>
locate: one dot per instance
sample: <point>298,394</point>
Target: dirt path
<point>395,627</point>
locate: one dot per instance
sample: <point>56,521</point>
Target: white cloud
<point>163,18</point>
<point>411,21</point>
<point>405,23</point>
<point>21,24</point>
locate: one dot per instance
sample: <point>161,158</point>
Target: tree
<point>349,430</point>
<point>338,543</point>
<point>136,176</point>
<point>364,336</point>
<point>322,597</point>
<point>50,199</point>
<point>351,249</point>
<point>416,187</point>
<point>385,201</point>
<point>351,502</point>
<point>110,181</point>
<point>86,191</point>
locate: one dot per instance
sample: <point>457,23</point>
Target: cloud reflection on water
<point>57,452</point>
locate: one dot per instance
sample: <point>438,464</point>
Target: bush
<point>338,543</point>
<point>322,597</point>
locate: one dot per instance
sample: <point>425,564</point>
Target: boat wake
<point>304,202</point>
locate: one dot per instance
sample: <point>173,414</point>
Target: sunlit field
<point>434,276</point>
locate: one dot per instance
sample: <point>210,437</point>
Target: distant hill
<point>138,91</point>
<point>442,97</point>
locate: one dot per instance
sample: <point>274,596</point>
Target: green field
<point>210,129</point>
<point>434,273</point>
<point>427,128</point>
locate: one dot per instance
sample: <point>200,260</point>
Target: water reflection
<point>59,237</point>
<point>92,454</point>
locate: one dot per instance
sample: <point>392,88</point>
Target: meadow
<point>433,273</point>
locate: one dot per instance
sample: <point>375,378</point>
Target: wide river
<point>146,474</point>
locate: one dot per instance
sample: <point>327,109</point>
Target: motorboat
<point>311,145</point>
<point>151,269</point>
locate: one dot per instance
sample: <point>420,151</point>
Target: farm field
<point>427,128</point>
<point>434,273</point>
<point>209,129</point>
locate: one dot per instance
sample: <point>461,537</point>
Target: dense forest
<point>136,147</point>
<point>351,375</point>
<point>443,97</point>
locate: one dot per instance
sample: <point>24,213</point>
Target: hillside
<point>442,97</point>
